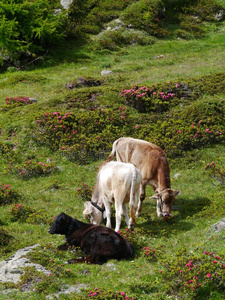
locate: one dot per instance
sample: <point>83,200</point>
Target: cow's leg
<point>141,199</point>
<point>125,211</point>
<point>158,208</point>
<point>108,213</point>
<point>132,216</point>
<point>119,214</point>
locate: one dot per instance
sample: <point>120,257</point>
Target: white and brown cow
<point>117,182</point>
<point>151,160</point>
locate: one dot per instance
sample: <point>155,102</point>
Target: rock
<point>219,15</point>
<point>106,72</point>
<point>219,226</point>
<point>159,56</point>
<point>66,3</point>
<point>12,267</point>
<point>176,175</point>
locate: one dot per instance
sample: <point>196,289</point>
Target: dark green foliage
<point>158,98</point>
<point>85,192</point>
<point>5,238</point>
<point>194,274</point>
<point>212,84</point>
<point>8,195</point>
<point>115,39</point>
<point>22,213</point>
<point>89,16</point>
<point>216,171</point>
<point>6,150</point>
<point>28,27</point>
<point>82,136</point>
<point>146,15</point>
<point>31,169</point>
<point>12,102</point>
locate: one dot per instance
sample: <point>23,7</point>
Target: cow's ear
<point>88,208</point>
<point>176,193</point>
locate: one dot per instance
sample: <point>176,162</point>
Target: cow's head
<point>165,200</point>
<point>61,224</point>
<point>94,212</point>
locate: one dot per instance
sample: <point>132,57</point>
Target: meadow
<point>47,167</point>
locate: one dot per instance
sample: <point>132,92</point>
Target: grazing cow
<point>99,242</point>
<point>152,162</point>
<point>116,182</point>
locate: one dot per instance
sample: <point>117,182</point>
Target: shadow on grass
<point>149,224</point>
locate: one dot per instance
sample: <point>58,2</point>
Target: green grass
<point>201,203</point>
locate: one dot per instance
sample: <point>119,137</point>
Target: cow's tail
<point>111,156</point>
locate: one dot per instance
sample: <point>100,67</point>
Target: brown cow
<point>152,162</point>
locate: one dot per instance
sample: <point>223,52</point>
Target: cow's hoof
<point>132,227</point>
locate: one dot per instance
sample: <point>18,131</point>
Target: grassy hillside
<point>47,167</point>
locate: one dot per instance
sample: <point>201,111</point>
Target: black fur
<point>99,242</point>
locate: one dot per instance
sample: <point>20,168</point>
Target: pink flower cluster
<point>6,187</point>
<point>143,91</point>
<point>148,251</point>
<point>18,100</point>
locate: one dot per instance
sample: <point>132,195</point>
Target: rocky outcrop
<point>12,267</point>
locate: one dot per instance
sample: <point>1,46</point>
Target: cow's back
<point>146,156</point>
<point>101,242</point>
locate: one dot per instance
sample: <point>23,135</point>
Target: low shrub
<point>5,238</point>
<point>152,254</point>
<point>31,169</point>
<point>19,212</point>
<point>193,25</point>
<point>131,236</point>
<point>216,171</point>
<point>212,84</point>
<point>101,294</point>
<point>83,136</point>
<point>152,14</point>
<point>114,39</point>
<point>6,151</point>
<point>178,136</point>
<point>12,102</point>
<point>85,192</point>
<point>194,274</point>
<point>157,98</point>
<point>8,195</point>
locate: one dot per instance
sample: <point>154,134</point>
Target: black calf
<point>100,242</point>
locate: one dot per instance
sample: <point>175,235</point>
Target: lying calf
<point>99,242</point>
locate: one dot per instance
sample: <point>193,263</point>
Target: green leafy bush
<point>194,274</point>
<point>156,98</point>
<point>152,254</point>
<point>28,27</point>
<point>25,214</point>
<point>85,192</point>
<point>89,16</point>
<point>82,136</point>
<point>114,39</point>
<point>19,212</point>
<point>6,150</point>
<point>131,236</point>
<point>11,102</point>
<point>30,169</point>
<point>5,238</point>
<point>216,171</point>
<point>146,15</point>
<point>8,195</point>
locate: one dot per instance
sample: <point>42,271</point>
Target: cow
<point>116,182</point>
<point>151,160</point>
<point>99,242</point>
